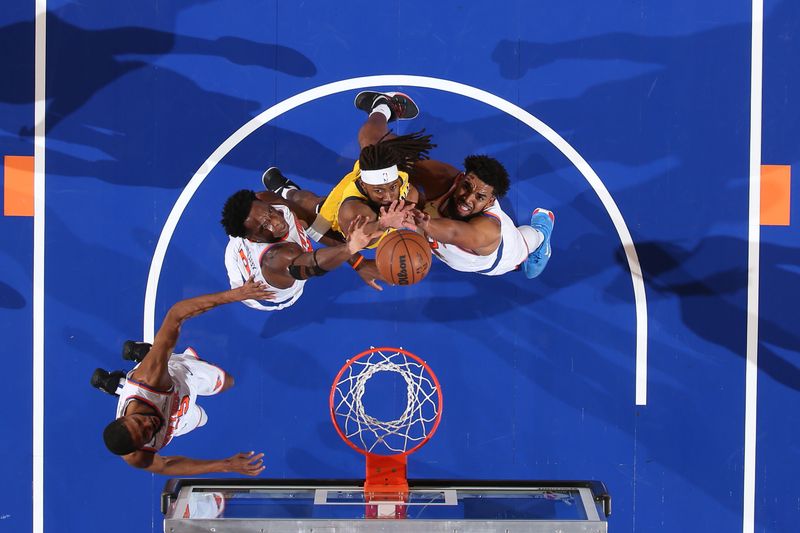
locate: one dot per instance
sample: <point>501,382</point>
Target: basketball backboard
<point>281,506</point>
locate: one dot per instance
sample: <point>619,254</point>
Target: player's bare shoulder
<point>139,459</point>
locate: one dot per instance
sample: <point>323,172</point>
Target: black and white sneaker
<point>135,350</point>
<point>401,105</point>
<point>107,381</point>
<point>276,182</point>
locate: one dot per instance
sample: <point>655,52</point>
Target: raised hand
<point>397,215</point>
<point>357,237</point>
<point>420,218</point>
<point>254,290</point>
<point>247,463</point>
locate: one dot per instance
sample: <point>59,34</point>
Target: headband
<point>380,176</point>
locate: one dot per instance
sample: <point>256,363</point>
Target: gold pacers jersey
<point>346,189</point>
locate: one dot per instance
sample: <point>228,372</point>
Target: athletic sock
<point>382,109</point>
<point>533,238</point>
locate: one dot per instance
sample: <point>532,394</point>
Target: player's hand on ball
<point>254,290</point>
<point>357,237</point>
<point>247,463</point>
<point>368,271</point>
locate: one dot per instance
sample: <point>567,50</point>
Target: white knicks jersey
<point>171,406</point>
<point>510,253</point>
<point>243,259</point>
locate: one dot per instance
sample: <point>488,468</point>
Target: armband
<point>300,272</point>
<point>355,264</point>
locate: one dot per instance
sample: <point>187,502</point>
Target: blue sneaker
<point>542,220</point>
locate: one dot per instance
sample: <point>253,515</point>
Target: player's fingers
<point>254,472</point>
<point>253,467</point>
<point>374,284</point>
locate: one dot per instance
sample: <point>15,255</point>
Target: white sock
<point>319,227</point>
<point>382,109</point>
<point>533,237</point>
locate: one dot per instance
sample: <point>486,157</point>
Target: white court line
<point>429,83</point>
<point>38,266</point>
<point>753,259</point>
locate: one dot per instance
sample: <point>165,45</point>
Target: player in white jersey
<point>158,399</point>
<point>243,259</point>
<point>466,226</point>
<point>268,241</point>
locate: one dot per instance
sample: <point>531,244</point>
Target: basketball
<point>403,257</point>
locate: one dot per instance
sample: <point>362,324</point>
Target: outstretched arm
<point>282,265</point>
<point>481,233</point>
<point>248,463</point>
<point>365,268</point>
<point>153,369</point>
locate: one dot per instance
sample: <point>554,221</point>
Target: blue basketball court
<point>657,352</point>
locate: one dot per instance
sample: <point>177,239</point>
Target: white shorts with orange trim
<point>202,377</point>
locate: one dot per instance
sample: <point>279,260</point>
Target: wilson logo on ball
<point>402,275</point>
<point>403,257</point>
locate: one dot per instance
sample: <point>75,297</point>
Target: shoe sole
<point>364,100</point>
<point>265,179</point>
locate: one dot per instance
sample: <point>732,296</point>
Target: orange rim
<point>363,354</point>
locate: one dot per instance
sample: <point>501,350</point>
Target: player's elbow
<point>177,314</point>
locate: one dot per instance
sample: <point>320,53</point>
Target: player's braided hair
<point>118,439</point>
<point>236,211</point>
<point>403,151</point>
<point>490,171</point>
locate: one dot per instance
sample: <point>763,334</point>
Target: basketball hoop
<point>386,444</point>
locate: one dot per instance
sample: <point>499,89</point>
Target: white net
<point>367,432</point>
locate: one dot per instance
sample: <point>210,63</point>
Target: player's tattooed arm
<point>289,261</point>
